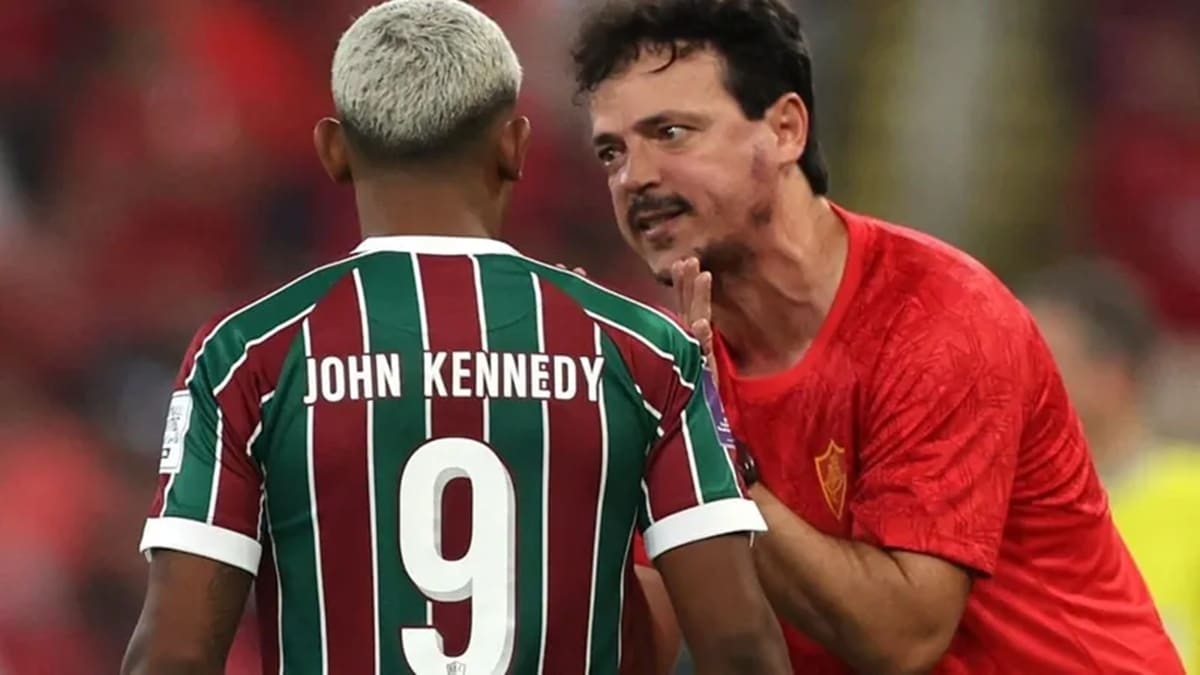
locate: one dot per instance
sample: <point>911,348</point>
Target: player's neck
<point>770,314</point>
<point>391,204</point>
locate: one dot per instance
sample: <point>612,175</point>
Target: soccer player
<point>432,455</point>
<point>929,494</point>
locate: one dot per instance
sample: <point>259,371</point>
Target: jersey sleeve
<point>209,492</point>
<point>691,488</point>
<point>947,416</point>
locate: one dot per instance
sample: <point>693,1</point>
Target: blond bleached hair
<point>416,77</point>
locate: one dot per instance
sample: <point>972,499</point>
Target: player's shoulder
<point>656,328</point>
<point>226,333</point>
<point>934,286</point>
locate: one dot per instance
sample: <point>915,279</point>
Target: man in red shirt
<point>929,494</point>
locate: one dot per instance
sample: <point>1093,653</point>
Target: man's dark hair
<point>760,41</point>
<point>1118,320</point>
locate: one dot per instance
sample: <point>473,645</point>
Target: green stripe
<point>515,428</point>
<point>389,291</point>
<point>638,318</point>
<point>627,440</point>
<point>713,471</point>
<point>290,511</point>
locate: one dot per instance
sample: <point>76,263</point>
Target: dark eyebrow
<point>606,139</point>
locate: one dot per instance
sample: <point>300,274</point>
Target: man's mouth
<point>654,224</point>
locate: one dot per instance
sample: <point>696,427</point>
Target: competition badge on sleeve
<point>735,448</point>
<point>178,416</point>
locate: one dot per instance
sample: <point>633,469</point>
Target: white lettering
<point>361,386</point>
<point>564,377</point>
<point>333,379</point>
<point>487,375</point>
<point>593,366</point>
<point>516,383</point>
<point>433,373</point>
<point>540,387</point>
<point>387,372</point>
<point>460,373</point>
<point>310,396</point>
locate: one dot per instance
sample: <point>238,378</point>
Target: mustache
<point>650,203</point>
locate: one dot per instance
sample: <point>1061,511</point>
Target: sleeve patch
<point>179,415</point>
<point>716,410</point>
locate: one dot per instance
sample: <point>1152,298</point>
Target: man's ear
<point>329,137</point>
<point>514,146</point>
<point>789,120</point>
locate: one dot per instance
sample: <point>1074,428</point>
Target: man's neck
<point>393,204</point>
<point>769,314</point>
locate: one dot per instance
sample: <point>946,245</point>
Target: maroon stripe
<point>267,607</point>
<point>343,492</point>
<point>668,472</point>
<point>160,493</point>
<point>576,460</point>
<point>240,483</point>
<point>453,325</point>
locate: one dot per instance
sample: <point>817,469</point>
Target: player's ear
<point>329,137</point>
<point>514,145</point>
<point>789,120</point>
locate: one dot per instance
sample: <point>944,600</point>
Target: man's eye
<point>606,155</point>
<point>672,132</point>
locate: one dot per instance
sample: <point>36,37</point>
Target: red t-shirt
<point>928,416</point>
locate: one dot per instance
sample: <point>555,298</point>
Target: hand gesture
<point>694,292</point>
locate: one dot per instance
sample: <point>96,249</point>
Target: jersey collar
<point>434,245</point>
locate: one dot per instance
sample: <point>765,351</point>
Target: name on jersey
<point>456,374</point>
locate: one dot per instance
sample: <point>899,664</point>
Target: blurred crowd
<point>156,167</point>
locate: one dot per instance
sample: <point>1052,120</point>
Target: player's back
<point>455,444</point>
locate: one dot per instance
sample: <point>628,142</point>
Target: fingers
<point>577,270</point>
<point>701,311</point>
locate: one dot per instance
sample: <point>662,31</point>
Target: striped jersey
<point>434,453</point>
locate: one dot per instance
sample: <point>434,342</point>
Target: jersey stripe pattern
<point>434,455</point>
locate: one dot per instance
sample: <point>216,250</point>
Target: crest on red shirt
<point>831,471</point>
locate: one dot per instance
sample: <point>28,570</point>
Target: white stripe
<point>724,516</point>
<point>649,510</point>
<point>162,513</point>
<point>316,526</point>
<point>541,332</point>
<point>621,592</point>
<point>652,410</point>
<point>691,455</point>
<point>254,343</point>
<point>649,345</point>
<point>424,321</point>
<point>216,478</point>
<point>278,587</point>
<point>483,341</point>
<point>209,541</point>
<point>599,506</point>
<point>364,316</point>
<point>236,313</point>
<point>262,402</point>
<point>614,294</point>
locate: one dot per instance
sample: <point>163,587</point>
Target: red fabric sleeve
<point>640,557</point>
<point>946,419</point>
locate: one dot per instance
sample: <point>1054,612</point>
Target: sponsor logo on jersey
<point>179,415</point>
<point>831,472</point>
<point>456,374</point>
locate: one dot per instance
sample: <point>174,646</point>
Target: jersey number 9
<point>486,574</point>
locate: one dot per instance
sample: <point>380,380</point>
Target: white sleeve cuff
<point>202,539</point>
<point>724,516</point>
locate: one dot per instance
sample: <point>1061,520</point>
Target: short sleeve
<point>691,488</point>
<point>209,495</point>
<point>945,418</point>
